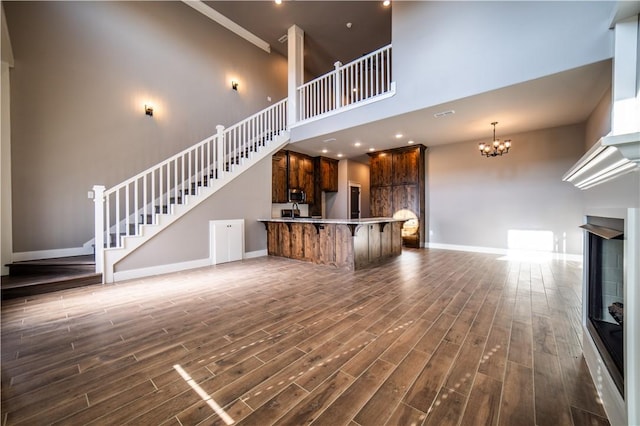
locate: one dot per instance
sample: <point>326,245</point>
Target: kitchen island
<point>343,243</point>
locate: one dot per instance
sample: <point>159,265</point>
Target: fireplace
<point>605,292</point>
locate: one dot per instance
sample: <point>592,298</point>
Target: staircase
<point>134,211</point>
<point>28,278</point>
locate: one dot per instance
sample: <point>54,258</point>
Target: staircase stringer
<point>131,243</point>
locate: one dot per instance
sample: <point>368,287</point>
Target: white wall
<point>84,71</point>
<point>476,201</point>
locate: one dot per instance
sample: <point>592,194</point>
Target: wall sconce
<point>148,109</point>
<point>234,85</point>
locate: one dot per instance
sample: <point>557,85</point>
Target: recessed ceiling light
<point>410,142</point>
<point>398,135</point>
<point>357,144</point>
<point>371,149</point>
<point>339,155</point>
<point>278,1</point>
<point>386,3</point>
<point>324,151</point>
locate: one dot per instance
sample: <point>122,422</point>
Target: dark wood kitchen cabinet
<point>301,174</point>
<point>383,205</point>
<point>279,178</point>
<point>380,168</point>
<point>397,179</point>
<point>292,170</point>
<point>327,174</point>
<point>406,197</point>
<point>405,166</point>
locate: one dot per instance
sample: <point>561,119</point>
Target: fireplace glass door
<point>606,301</point>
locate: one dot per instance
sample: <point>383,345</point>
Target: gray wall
<point>247,197</point>
<point>83,72</point>
<point>475,201</point>
<point>359,173</point>
<point>449,50</point>
<point>337,203</point>
<point>620,193</point>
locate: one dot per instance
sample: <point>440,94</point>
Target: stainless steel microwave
<point>297,196</point>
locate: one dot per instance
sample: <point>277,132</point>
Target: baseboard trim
<point>257,253</point>
<point>50,254</point>
<point>514,254</point>
<point>160,269</point>
<point>174,267</point>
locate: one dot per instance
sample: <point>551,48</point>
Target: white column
<point>98,200</point>
<point>632,316</point>
<point>626,83</point>
<point>220,151</point>
<point>338,84</point>
<point>295,50</point>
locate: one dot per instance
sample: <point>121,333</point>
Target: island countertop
<point>350,243</point>
<point>364,221</point>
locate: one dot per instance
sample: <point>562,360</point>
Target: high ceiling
<point>327,38</point>
<point>556,100</point>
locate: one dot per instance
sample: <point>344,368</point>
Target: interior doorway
<point>354,200</point>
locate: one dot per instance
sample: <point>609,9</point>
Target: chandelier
<point>496,147</point>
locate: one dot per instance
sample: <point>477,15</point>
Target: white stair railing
<point>360,80</point>
<point>121,210</point>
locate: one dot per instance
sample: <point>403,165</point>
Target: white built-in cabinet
<point>226,240</point>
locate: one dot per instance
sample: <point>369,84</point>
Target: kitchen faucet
<point>294,207</point>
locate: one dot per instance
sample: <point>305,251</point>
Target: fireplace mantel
<point>612,156</point>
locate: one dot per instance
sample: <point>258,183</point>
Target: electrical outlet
<point>90,195</point>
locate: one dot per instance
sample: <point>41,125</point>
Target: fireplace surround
<point>604,273</point>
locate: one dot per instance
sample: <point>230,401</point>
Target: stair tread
<point>20,281</point>
<point>58,261</point>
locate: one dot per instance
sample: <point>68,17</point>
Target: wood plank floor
<point>434,337</point>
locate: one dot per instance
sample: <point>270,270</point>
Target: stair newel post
<point>98,200</point>
<point>338,84</point>
<point>220,150</point>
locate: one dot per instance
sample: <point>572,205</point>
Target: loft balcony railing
<point>355,83</point>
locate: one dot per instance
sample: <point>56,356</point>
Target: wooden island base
<point>351,244</point>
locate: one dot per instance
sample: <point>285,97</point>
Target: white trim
<point>612,401</point>
<point>632,314</point>
<point>473,249</point>
<point>51,254</point>
<point>160,269</point>
<point>256,253</point>
<point>349,107</point>
<point>228,24</point>
<point>516,254</point>
<point>175,267</point>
